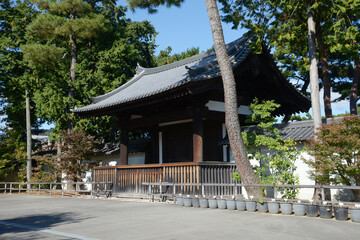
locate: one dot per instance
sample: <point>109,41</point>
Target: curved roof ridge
<point>125,85</point>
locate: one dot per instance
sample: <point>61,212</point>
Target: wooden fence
<point>129,179</point>
<point>57,188</point>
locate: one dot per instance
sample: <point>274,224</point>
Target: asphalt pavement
<point>37,217</point>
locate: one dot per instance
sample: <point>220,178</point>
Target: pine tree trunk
<point>325,73</point>
<point>28,138</point>
<point>73,54</point>
<point>314,80</point>
<point>354,87</point>
<point>231,114</point>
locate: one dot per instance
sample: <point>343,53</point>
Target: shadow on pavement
<point>36,222</point>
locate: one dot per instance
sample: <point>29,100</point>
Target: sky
<point>182,27</point>
<point>188,26</point>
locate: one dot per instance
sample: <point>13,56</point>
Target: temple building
<point>181,106</point>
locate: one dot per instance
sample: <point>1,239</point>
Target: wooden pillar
<point>197,135</point>
<point>124,141</point>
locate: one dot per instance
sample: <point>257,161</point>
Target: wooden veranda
<point>130,179</point>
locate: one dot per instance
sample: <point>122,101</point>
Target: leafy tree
<point>103,61</point>
<point>336,153</point>
<point>12,153</point>
<point>277,167</point>
<point>76,146</point>
<point>165,56</point>
<point>15,78</point>
<point>66,21</point>
<point>231,115</point>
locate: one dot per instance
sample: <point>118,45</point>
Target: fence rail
<point>129,179</point>
<point>163,188</point>
<point>97,188</point>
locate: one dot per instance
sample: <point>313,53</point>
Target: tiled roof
<point>151,81</point>
<point>297,131</point>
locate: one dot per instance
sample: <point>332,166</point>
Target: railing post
<point>28,187</point>
<point>39,188</point>
<point>19,187</point>
<point>322,193</point>
<point>202,189</point>
<point>5,188</point>
<point>10,187</point>
<point>62,189</point>
<point>275,191</point>
<point>137,181</point>
<point>235,190</point>
<point>76,189</point>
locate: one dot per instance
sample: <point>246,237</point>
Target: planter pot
<point>355,214</point>
<point>273,207</point>
<point>195,202</point>
<point>230,204</point>
<point>299,209</point>
<point>240,205</point>
<point>204,203</point>
<point>212,203</point>
<point>325,212</point>
<point>262,207</point>
<point>250,206</point>
<point>312,210</point>
<point>286,208</point>
<point>187,202</point>
<point>341,213</point>
<point>221,203</point>
<point>180,201</point>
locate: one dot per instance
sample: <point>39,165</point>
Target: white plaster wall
<point>301,170</point>
<point>304,177</point>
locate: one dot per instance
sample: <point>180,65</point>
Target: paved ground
<point>31,217</point>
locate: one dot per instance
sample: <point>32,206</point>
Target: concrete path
<point>31,217</point>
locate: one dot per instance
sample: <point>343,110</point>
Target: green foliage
<point>295,118</point>
<point>109,46</point>
<point>165,56</point>
<point>282,26</point>
<point>12,153</point>
<point>337,152</point>
<point>278,166</point>
<point>45,169</point>
<point>151,5</point>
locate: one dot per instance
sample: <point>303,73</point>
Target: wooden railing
<point>57,188</point>
<point>129,179</point>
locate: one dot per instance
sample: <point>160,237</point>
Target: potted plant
<point>250,205</point>
<point>230,203</point>
<point>273,206</point>
<point>187,201</point>
<point>286,207</point>
<point>221,203</point>
<point>325,210</point>
<point>355,213</point>
<point>212,202</point>
<point>341,213</point>
<point>262,206</point>
<point>312,210</point>
<point>195,202</point>
<point>299,208</point>
<point>204,203</point>
<point>240,204</point>
<point>180,200</point>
